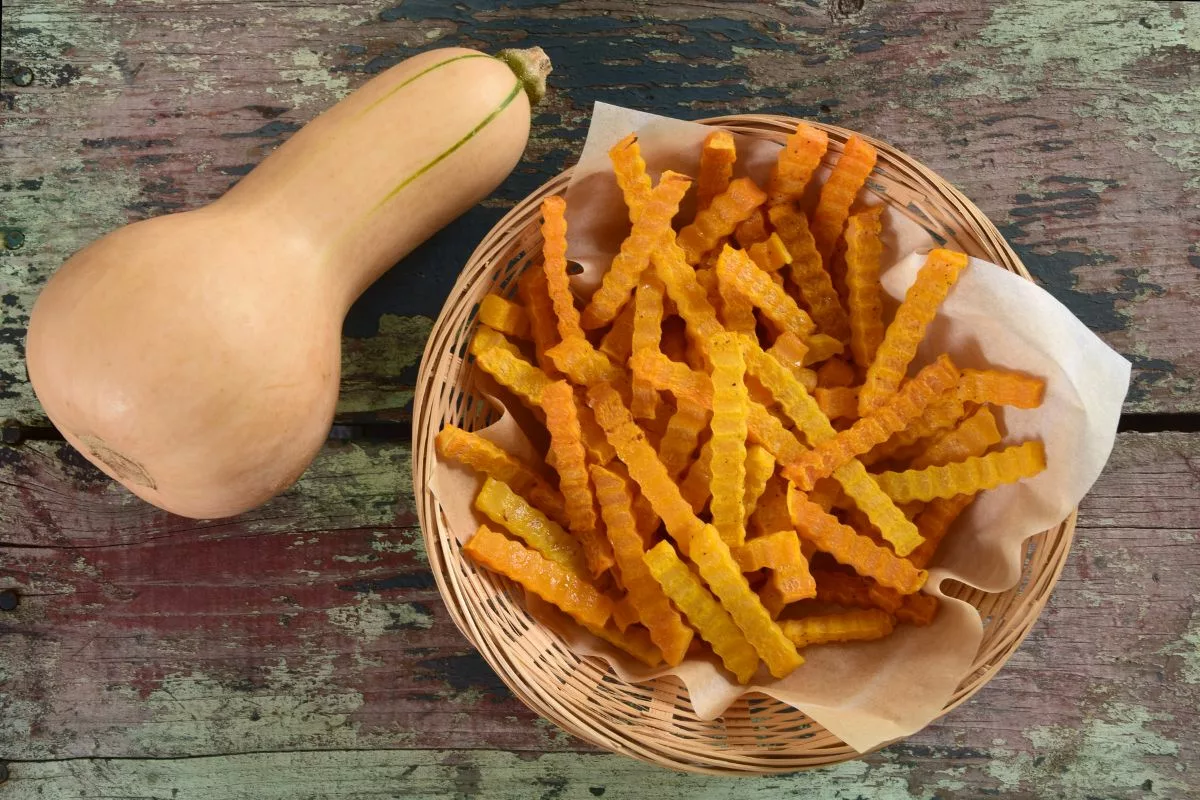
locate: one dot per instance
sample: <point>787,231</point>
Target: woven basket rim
<point>1008,616</point>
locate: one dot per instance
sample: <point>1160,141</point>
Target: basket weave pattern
<point>654,721</point>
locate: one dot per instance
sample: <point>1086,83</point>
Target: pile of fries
<point>736,450</point>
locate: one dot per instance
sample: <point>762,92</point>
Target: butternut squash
<point>195,357</point>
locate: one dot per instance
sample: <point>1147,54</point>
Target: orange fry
<point>647,336</point>
<point>835,372</point>
<point>1001,388</point>
<point>771,514</point>
<point>690,298</point>
<point>972,437</point>
<point>837,402</point>
<point>940,271</point>
<point>711,621</point>
<point>682,436</point>
<point>791,351</point>
<point>513,373</point>
<point>838,193</point>
<point>671,376</point>
<point>630,170</point>
<point>651,227</point>
<point>822,347</point>
<point>653,609</point>
<point>934,523</point>
<point>808,273</point>
<point>624,613</point>
<point>584,364</point>
<point>772,551</point>
<point>543,327</point>
<point>734,268</point>
<point>855,591</point>
<point>504,315</point>
<point>697,481</point>
<point>876,427</point>
<point>852,549</point>
<point>849,626</point>
<point>918,609</point>
<point>482,455</point>
<point>760,466</point>
<point>799,158</point>
<point>736,311</point>
<point>717,155</point>
<point>864,250</point>
<point>727,210</point>
<point>769,255</point>
<point>547,579</point>
<point>752,230</point>
<point>554,254</point>
<point>617,342</point>
<point>730,409</point>
<point>975,474</point>
<point>939,417</point>
<point>499,503</point>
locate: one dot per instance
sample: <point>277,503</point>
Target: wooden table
<point>301,651</point>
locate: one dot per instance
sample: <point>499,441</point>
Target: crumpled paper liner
<point>869,693</point>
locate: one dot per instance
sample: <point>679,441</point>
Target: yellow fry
<point>1001,388</point>
<point>760,466</point>
<point>734,268</point>
<point>799,158</point>
<point>543,327</point>
<point>849,626</point>
<point>971,437</point>
<point>667,630</point>
<point>554,264</point>
<point>876,427</point>
<point>771,513</point>
<point>808,272</point>
<point>682,436</point>
<point>939,417</point>
<point>850,548</point>
<point>617,342</point>
<point>487,337</point>
<point>671,376</point>
<point>647,336</point>
<point>835,372</point>
<point>630,170</point>
<point>864,250</point>
<point>582,363</point>
<point>973,475</point>
<point>696,485</point>
<point>545,578</point>
<point>729,432</point>
<point>514,373</point>
<point>717,155</point>
<point>837,402</point>
<point>752,230</point>
<point>720,218</point>
<point>838,193</point>
<point>920,304</point>
<point>707,616</point>
<point>499,503</point>
<point>482,455</point>
<point>651,227</point>
<point>737,313</point>
<point>504,315</point>
<point>822,347</point>
<point>768,552</point>
<point>770,255</point>
<point>791,351</point>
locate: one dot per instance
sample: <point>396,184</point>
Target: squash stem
<point>531,65</point>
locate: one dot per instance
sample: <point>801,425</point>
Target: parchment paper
<point>872,692</point>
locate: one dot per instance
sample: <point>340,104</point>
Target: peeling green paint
<point>1188,650</point>
<point>371,617</point>
<point>372,368</point>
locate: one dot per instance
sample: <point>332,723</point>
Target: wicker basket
<point>655,721</point>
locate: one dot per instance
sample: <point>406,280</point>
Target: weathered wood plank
<point>314,626</point>
<point>1072,123</point>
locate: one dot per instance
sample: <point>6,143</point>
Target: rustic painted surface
<point>301,651</point>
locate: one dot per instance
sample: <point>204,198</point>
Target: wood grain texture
<point>313,626</point>
<point>1072,123</point>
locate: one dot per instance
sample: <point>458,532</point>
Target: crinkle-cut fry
<point>710,619</point>
<point>647,308</point>
<point>771,514</point>
<point>849,547</point>
<point>599,451</point>
<point>737,312</point>
<point>729,432</point>
<point>712,558</point>
<point>934,523</point>
<point>486,338</point>
<point>630,170</point>
<point>770,255</point>
<point>734,268</point>
<point>809,273</point>
<point>554,264</point>
<point>827,494</point>
<point>633,640</point>
<point>642,462</point>
<point>671,376</point>
<point>514,373</point>
<point>875,428</point>
<point>480,454</point>
<point>584,364</point>
<point>822,347</point>
<point>682,437</point>
<point>867,495</point>
<point>652,227</point>
<point>504,315</point>
<point>790,350</point>
<point>1001,388</point>
<point>900,341</point>
<point>837,402</point>
<point>717,155</point>
<point>697,479</point>
<point>499,503</point>
<point>547,579</point>
<point>971,437</point>
<point>799,158</point>
<point>653,608</point>
<point>690,298</point>
<point>848,626</point>
<point>570,460</point>
<point>772,551</point>
<point>617,342</point>
<point>835,372</point>
<point>727,210</point>
<point>793,581</point>
<point>918,609</point>
<point>939,417</point>
<point>848,176</point>
<point>543,327</point>
<point>752,230</point>
<point>760,467</point>
<point>624,613</point>
<point>844,589</point>
<point>975,474</point>
<point>864,251</point>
